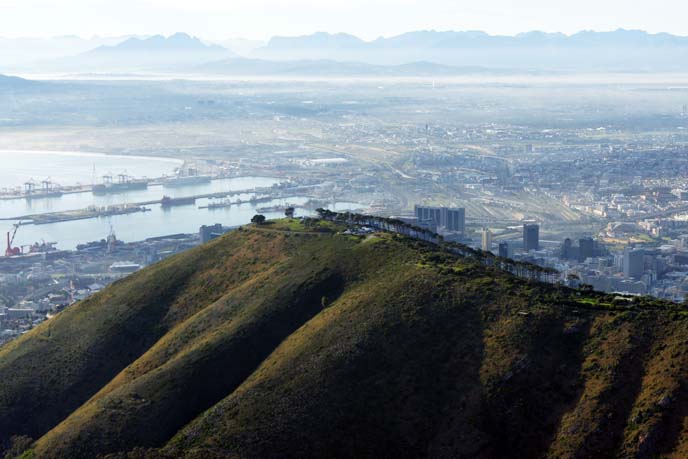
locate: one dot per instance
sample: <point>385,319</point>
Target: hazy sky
<point>366,18</point>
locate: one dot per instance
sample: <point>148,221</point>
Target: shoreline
<point>91,153</point>
<point>73,171</point>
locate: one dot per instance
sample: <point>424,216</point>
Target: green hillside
<point>290,341</point>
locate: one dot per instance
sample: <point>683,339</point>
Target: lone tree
<point>258,219</point>
<point>587,288</point>
<point>289,212</point>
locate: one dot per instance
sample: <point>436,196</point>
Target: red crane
<point>12,251</point>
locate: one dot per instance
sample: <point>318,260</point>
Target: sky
<point>368,19</point>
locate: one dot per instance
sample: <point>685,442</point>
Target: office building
<point>426,214</point>
<point>448,219</point>
<point>586,248</point>
<point>566,249</point>
<point>633,263</point>
<point>486,240</point>
<point>531,237</point>
<point>504,249</point>
<point>454,219</point>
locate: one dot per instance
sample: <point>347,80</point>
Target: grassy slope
<point>298,344</point>
<point>51,371</point>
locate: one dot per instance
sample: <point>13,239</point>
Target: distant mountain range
<point>153,54</point>
<point>177,42</point>
<point>630,50</point>
<point>420,53</point>
<point>470,39</point>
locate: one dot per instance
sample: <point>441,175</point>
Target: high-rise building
<point>586,248</point>
<point>633,263</point>
<point>566,249</point>
<point>426,214</point>
<point>486,240</point>
<point>451,219</point>
<point>454,219</point>
<point>504,249</point>
<point>531,237</point>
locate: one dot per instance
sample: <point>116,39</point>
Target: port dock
<point>261,195</point>
<point>80,214</point>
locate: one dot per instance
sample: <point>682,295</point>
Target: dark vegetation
<point>290,339</point>
<point>258,219</point>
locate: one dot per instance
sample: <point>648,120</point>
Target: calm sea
<point>72,168</point>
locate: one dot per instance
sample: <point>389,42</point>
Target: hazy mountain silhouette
<point>451,39</point>
<point>587,50</point>
<point>11,82</point>
<point>177,42</point>
<point>157,53</point>
<point>426,53</point>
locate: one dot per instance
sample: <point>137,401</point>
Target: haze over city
<point>342,229</point>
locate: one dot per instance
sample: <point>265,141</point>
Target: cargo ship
<point>186,178</point>
<point>222,204</point>
<point>167,201</point>
<point>124,183</point>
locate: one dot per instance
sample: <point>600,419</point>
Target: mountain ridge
<point>13,82</point>
<point>296,339</point>
<point>619,50</point>
<point>177,42</point>
<point>451,38</point>
<point>176,52</point>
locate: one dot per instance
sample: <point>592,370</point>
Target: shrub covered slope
<point>290,341</point>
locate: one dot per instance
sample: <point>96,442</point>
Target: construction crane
<point>12,251</point>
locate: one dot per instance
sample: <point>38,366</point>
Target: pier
<point>268,194</point>
<point>80,214</point>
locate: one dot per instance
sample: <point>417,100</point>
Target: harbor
<point>165,202</point>
<point>110,184</point>
<point>183,196</point>
<point>137,225</point>
<point>187,174</point>
<point>45,175</point>
<point>217,200</point>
